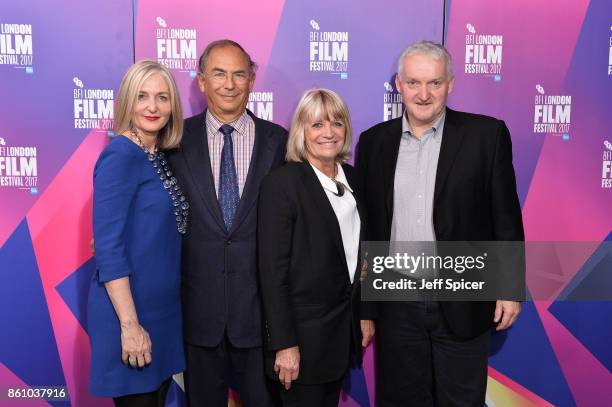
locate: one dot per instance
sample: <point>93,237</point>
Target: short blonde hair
<point>170,135</point>
<point>315,105</point>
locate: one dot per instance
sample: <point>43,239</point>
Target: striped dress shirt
<point>243,138</point>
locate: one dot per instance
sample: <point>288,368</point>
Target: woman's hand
<point>136,347</point>
<point>287,365</point>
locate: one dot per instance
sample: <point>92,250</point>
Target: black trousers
<point>309,395</point>
<point>420,362</point>
<point>155,398</point>
<point>207,377</point>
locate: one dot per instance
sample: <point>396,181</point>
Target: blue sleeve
<point>115,185</point>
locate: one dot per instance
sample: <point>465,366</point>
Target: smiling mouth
<point>151,118</point>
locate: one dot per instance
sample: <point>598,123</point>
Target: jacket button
<point>228,242</point>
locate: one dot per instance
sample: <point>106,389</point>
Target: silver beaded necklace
<point>170,183</point>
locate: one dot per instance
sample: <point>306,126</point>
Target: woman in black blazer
<point>308,242</point>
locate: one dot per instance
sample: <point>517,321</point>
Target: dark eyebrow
<point>233,72</point>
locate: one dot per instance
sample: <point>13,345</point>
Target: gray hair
<point>431,49</point>
<point>220,44</point>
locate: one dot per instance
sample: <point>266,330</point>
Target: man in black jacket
<point>225,153</point>
<point>437,175</point>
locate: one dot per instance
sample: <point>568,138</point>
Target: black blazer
<point>308,297</point>
<point>219,274</point>
<point>475,196</point>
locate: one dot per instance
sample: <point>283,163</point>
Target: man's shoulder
<point>194,124</point>
<point>268,126</point>
<point>382,130</point>
<point>472,119</point>
<point>384,127</point>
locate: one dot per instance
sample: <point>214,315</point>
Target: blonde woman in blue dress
<point>140,213</point>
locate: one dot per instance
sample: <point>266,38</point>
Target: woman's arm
<point>115,187</point>
<point>135,341</point>
<point>274,241</point>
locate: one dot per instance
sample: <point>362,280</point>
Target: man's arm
<point>369,310</point>
<point>507,226</point>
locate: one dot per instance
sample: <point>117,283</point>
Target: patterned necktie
<point>229,195</point>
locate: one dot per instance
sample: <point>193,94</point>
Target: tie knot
<point>226,129</point>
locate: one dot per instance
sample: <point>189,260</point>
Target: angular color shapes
<point>590,321</point>
<point>74,290</point>
<point>176,396</point>
<point>524,354</point>
<point>354,386</point>
<point>61,228</point>
<point>28,346</point>
<point>501,391</point>
<point>8,379</point>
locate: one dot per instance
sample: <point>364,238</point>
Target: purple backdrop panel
<point>504,53</point>
<point>176,33</point>
<point>297,46</point>
<point>59,67</point>
<point>545,70</point>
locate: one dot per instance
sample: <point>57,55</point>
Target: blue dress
<point>135,235</point>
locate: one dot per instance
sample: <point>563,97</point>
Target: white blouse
<point>345,208</point>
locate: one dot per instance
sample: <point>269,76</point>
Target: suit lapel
<point>451,142</point>
<point>316,191</point>
<point>360,210</point>
<point>198,160</point>
<point>390,151</point>
<point>261,160</point>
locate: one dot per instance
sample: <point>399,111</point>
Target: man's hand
<point>287,365</point>
<point>367,332</point>
<point>506,312</point>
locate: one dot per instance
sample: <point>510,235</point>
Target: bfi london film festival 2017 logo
<point>18,167</point>
<point>552,114</point>
<point>93,108</point>
<point>393,107</point>
<point>328,51</point>
<point>176,48</point>
<point>483,54</point>
<point>606,166</point>
<point>16,46</point>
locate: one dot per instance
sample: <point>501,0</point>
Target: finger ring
<point>132,360</point>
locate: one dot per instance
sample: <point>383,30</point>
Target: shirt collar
<point>327,182</point>
<point>239,125</point>
<point>436,129</point>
